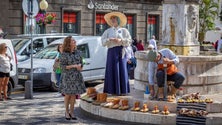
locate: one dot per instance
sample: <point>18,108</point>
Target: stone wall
<point>13,20</point>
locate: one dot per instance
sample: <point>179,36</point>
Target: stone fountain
<point>180,34</point>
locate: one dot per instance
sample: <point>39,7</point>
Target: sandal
<point>72,117</point>
<point>67,116</point>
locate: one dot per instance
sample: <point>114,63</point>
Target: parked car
<point>91,49</point>
<point>22,43</point>
<point>15,41</point>
<point>13,80</point>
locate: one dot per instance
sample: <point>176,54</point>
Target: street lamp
<point>43,6</point>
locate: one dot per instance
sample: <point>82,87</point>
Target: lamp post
<point>43,6</point>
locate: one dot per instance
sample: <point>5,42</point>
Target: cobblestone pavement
<point>45,108</point>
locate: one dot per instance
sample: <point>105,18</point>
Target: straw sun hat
<point>121,16</point>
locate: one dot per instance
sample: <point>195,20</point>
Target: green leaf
<point>206,2</point>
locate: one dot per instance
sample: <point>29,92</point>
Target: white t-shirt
<point>219,46</point>
<point>153,42</point>
<point>4,64</point>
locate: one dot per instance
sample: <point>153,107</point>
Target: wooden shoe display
<point>136,106</point>
<point>155,110</point>
<point>124,105</point>
<point>181,100</point>
<point>100,98</point>
<point>115,103</point>
<point>192,112</point>
<point>208,100</point>
<point>90,95</point>
<point>144,108</point>
<point>91,92</point>
<point>165,110</point>
<point>110,102</point>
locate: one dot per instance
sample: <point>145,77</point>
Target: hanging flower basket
<point>50,18</point>
<point>43,19</point>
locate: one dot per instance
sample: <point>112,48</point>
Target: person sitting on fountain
<point>165,56</point>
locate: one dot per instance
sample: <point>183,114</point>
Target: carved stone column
<point>180,26</point>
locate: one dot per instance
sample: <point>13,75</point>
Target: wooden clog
<point>155,110</point>
<point>136,106</point>
<point>165,110</point>
<point>124,105</point>
<point>145,108</point>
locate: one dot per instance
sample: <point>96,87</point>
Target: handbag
<point>11,67</point>
<point>171,68</point>
<point>56,65</point>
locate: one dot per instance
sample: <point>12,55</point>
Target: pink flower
<point>45,18</point>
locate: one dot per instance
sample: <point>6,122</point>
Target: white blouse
<point>4,64</point>
<point>112,32</point>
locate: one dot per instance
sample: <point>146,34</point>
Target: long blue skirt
<point>116,76</point>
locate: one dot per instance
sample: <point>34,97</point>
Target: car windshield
<point>15,41</point>
<point>49,52</point>
<point>20,44</point>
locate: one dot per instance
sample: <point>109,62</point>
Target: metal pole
<point>165,81</point>
<point>29,83</point>
<point>31,43</point>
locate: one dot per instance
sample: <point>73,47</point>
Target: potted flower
<point>50,18</point>
<point>43,19</point>
<point>40,19</point>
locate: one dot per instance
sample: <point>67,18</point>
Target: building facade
<point>85,17</point>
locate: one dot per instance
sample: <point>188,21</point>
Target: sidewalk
<point>46,108</point>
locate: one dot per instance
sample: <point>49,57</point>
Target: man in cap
<point>151,73</point>
<point>165,56</point>
<point>116,39</point>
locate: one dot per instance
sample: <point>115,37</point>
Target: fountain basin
<point>203,73</point>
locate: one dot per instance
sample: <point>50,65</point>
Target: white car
<point>13,81</point>
<point>92,51</point>
<point>22,43</point>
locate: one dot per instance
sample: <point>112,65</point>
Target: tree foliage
<point>208,12</point>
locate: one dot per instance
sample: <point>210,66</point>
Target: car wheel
<point>54,87</point>
<point>10,88</point>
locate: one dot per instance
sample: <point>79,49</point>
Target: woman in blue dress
<point>116,39</point>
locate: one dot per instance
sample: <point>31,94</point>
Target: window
<point>37,46</point>
<point>153,26</point>
<point>101,25</point>
<point>49,52</point>
<point>70,22</point>
<point>84,50</point>
<point>49,40</point>
<point>130,25</point>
